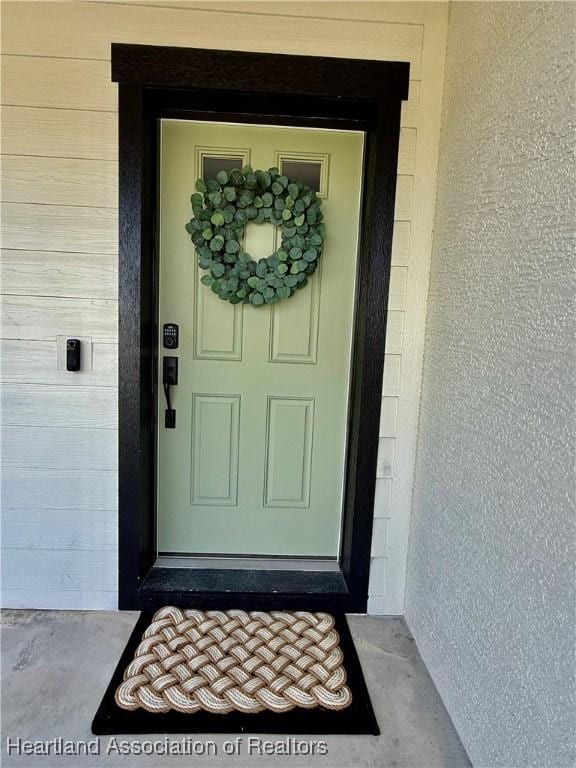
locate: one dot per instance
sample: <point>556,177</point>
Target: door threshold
<point>249,563</point>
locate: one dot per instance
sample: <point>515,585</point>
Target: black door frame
<point>155,82</point>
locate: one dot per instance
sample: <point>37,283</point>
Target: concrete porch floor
<point>57,664</point>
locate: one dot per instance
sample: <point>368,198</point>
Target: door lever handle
<point>169,379</point>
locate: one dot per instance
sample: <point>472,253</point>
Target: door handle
<point>169,379</point>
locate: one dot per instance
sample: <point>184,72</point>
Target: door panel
<point>215,436</point>
<point>295,325</point>
<point>217,329</point>
<point>255,465</point>
<point>289,430</point>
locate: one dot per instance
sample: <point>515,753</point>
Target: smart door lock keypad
<point>170,336</point>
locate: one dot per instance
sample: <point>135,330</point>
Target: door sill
<point>250,589</point>
<point>322,565</point>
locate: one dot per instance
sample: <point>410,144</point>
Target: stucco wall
<point>490,597</point>
<point>59,266</point>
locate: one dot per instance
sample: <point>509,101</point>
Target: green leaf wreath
<point>223,207</point>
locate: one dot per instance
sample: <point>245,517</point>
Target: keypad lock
<point>170,336</point>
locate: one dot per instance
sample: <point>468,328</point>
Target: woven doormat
<point>193,671</point>
<point>222,661</point>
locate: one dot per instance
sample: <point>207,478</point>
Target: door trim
<point>157,82</point>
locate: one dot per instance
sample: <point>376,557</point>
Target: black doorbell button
<point>170,336</point>
<point>72,354</point>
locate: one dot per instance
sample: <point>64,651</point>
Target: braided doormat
<point>234,671</point>
<point>225,660</point>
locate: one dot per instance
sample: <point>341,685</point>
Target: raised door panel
<point>289,431</point>
<point>215,437</point>
<point>294,325</point>
<point>217,326</point>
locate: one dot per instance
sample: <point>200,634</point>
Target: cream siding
<point>59,268</point>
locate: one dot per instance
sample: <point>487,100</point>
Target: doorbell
<point>73,353</point>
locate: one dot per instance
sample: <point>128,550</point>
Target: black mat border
<point>358,718</point>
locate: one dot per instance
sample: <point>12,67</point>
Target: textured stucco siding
<point>490,596</point>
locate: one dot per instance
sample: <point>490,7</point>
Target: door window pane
<point>211,164</point>
<point>305,171</point>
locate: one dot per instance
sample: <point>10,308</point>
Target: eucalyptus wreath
<point>222,209</point>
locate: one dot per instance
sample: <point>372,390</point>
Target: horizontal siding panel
<point>378,605</point>
<point>365,10</point>
<point>59,228</point>
<point>60,181</point>
<point>377,583</point>
<point>404,196</point>
<point>394,332</point>
<point>36,405</point>
<point>34,81</point>
<point>58,489</point>
<point>383,498</point>
<point>397,293</point>
<point>104,364</point>
<point>392,372</point>
<point>45,318</point>
<point>401,242</point>
<point>54,273</point>
<point>59,133</point>
<point>85,30</point>
<point>26,361</point>
<point>379,537</point>
<point>386,450</point>
<point>53,448</point>
<point>59,529</point>
<point>407,151</point>
<point>388,417</point>
<point>58,599</point>
<point>65,570</point>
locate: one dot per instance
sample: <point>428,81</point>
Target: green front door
<point>256,462</point>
